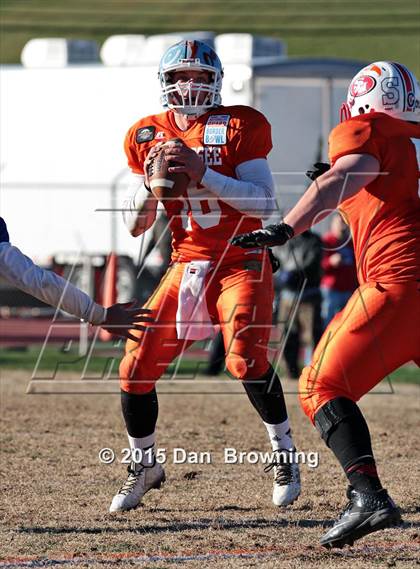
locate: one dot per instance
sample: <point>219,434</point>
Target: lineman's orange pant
<point>376,332</point>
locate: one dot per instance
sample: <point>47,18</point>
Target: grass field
<point>104,361</point>
<point>368,30</point>
<point>56,493</point>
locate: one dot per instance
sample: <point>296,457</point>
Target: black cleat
<point>365,513</point>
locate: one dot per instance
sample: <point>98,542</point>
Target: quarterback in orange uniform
<point>223,151</point>
<point>374,181</point>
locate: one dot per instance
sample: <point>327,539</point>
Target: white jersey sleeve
<point>139,206</point>
<point>252,191</point>
<point>18,270</point>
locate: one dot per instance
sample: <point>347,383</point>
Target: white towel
<point>192,318</point>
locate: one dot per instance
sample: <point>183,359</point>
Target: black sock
<point>140,413</point>
<point>266,395</point>
<point>351,444</point>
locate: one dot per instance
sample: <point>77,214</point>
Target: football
<point>166,185</point>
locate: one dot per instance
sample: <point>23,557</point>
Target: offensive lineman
<point>223,151</point>
<point>374,180</point>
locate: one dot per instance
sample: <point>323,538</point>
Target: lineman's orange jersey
<point>225,137</point>
<point>374,334</point>
<point>385,216</point>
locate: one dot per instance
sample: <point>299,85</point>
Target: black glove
<point>270,236</point>
<point>317,170</point>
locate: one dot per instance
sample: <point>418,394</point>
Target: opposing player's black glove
<point>317,170</point>
<point>270,236</point>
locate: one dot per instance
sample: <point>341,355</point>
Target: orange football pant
<point>239,299</point>
<point>376,332</point>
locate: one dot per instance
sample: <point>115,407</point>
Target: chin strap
<point>345,113</point>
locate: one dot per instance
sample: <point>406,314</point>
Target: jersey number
<point>203,207</point>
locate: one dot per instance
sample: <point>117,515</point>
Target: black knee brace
<point>333,413</point>
<point>344,430</point>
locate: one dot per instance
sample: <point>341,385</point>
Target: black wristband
<point>290,232</point>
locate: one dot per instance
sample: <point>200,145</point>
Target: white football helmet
<point>385,87</point>
<point>188,100</point>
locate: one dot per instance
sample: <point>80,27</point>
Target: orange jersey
<point>384,217</point>
<point>225,137</point>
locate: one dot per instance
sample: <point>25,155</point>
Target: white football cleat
<point>140,480</point>
<point>286,487</point>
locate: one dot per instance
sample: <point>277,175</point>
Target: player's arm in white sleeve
<point>19,271</point>
<point>139,206</point>
<point>251,193</point>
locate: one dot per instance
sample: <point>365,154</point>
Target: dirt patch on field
<point>56,492</point>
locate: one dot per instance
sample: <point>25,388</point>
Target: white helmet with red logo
<point>384,87</point>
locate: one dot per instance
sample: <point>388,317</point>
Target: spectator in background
<point>339,279</point>
<point>300,297</point>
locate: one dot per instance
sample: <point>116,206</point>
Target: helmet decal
<point>362,85</point>
<point>376,69</point>
<point>391,94</point>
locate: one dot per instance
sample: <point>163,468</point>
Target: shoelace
<point>344,512</point>
<point>347,507</point>
<point>283,472</point>
<point>131,481</point>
